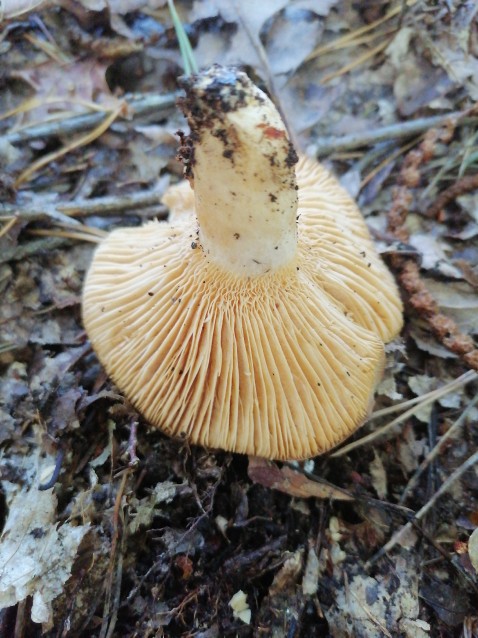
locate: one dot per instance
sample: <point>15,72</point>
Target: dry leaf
<point>290,482</point>
<point>144,510</point>
<point>453,50</point>
<point>427,343</point>
<point>67,87</point>
<point>36,555</point>
<point>433,254</point>
<point>398,48</point>
<point>15,8</point>
<point>460,302</point>
<point>387,605</point>
<point>282,34</point>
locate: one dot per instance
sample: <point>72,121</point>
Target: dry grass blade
<point>357,62</point>
<point>416,404</point>
<point>50,48</point>
<point>187,54</point>
<point>8,226</point>
<point>77,226</point>
<point>34,103</point>
<point>353,38</point>
<point>82,141</point>
<point>390,158</point>
<point>93,235</point>
<point>433,394</point>
<point>7,347</point>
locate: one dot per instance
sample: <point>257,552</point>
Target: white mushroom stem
<point>240,163</point>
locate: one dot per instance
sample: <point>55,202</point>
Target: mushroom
<point>256,322</point>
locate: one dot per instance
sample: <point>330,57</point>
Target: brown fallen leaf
<point>291,482</point>
<point>65,88</point>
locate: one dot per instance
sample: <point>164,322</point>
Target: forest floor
<point>109,527</point>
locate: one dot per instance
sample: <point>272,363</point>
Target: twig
<point>76,143</point>
<point>462,186</point>
<point>327,145</point>
<point>444,554</point>
<point>403,531</point>
<point>21,620</point>
<point>112,205</point>
<point>437,394</point>
<point>135,107</point>
<point>103,206</point>
<point>21,251</point>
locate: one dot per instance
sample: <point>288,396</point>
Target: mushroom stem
<point>240,163</point>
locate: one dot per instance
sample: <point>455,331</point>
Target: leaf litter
<point>36,554</point>
<point>139,535</point>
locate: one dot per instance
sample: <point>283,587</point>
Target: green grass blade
<point>187,54</point>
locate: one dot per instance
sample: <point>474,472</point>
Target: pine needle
<point>8,226</point>
<point>357,62</point>
<point>82,141</point>
<point>350,39</point>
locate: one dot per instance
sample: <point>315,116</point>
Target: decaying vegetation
<point>112,529</point>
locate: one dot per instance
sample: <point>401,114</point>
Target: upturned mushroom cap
<point>345,262</point>
<point>347,265</point>
<point>275,356</point>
